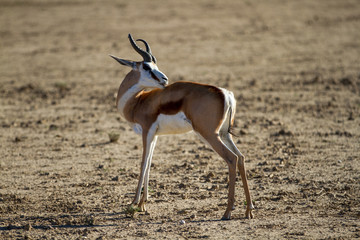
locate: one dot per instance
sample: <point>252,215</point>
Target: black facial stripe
<point>154,76</point>
<point>146,67</point>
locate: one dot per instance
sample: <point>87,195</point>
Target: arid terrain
<point>294,68</point>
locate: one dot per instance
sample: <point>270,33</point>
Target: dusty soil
<point>294,67</point>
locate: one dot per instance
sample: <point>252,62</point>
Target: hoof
<point>142,208</point>
<point>225,218</point>
<point>249,214</point>
<point>131,210</point>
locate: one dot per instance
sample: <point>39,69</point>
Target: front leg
<point>147,173</point>
<point>149,140</point>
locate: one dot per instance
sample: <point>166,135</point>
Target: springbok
<point>155,108</point>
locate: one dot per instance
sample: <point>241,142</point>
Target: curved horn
<point>146,45</point>
<point>146,56</point>
<point>148,49</point>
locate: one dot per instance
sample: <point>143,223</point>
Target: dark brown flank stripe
<point>171,108</point>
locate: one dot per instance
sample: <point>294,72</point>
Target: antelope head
<point>150,75</point>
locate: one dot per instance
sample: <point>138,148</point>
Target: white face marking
<point>173,124</point>
<point>152,65</point>
<point>147,72</point>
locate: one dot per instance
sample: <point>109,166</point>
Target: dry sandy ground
<point>294,67</point>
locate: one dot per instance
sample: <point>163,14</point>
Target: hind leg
<point>227,139</point>
<point>231,160</point>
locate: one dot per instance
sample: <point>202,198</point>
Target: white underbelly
<point>173,124</point>
<point>167,124</point>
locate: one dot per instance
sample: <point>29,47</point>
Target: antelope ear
<point>124,62</point>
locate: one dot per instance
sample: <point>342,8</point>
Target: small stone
<point>214,187</point>
<point>262,163</point>
<point>53,127</point>
<point>182,222</point>
<point>182,211</point>
<point>243,132</point>
<point>116,178</point>
<point>346,81</point>
<point>210,175</point>
<point>184,196</point>
<point>28,227</point>
<point>351,117</point>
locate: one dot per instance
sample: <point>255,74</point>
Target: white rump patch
<point>173,124</point>
<point>229,105</point>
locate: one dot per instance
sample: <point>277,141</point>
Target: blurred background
<point>293,67</point>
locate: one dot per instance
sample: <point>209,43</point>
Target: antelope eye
<point>146,67</point>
